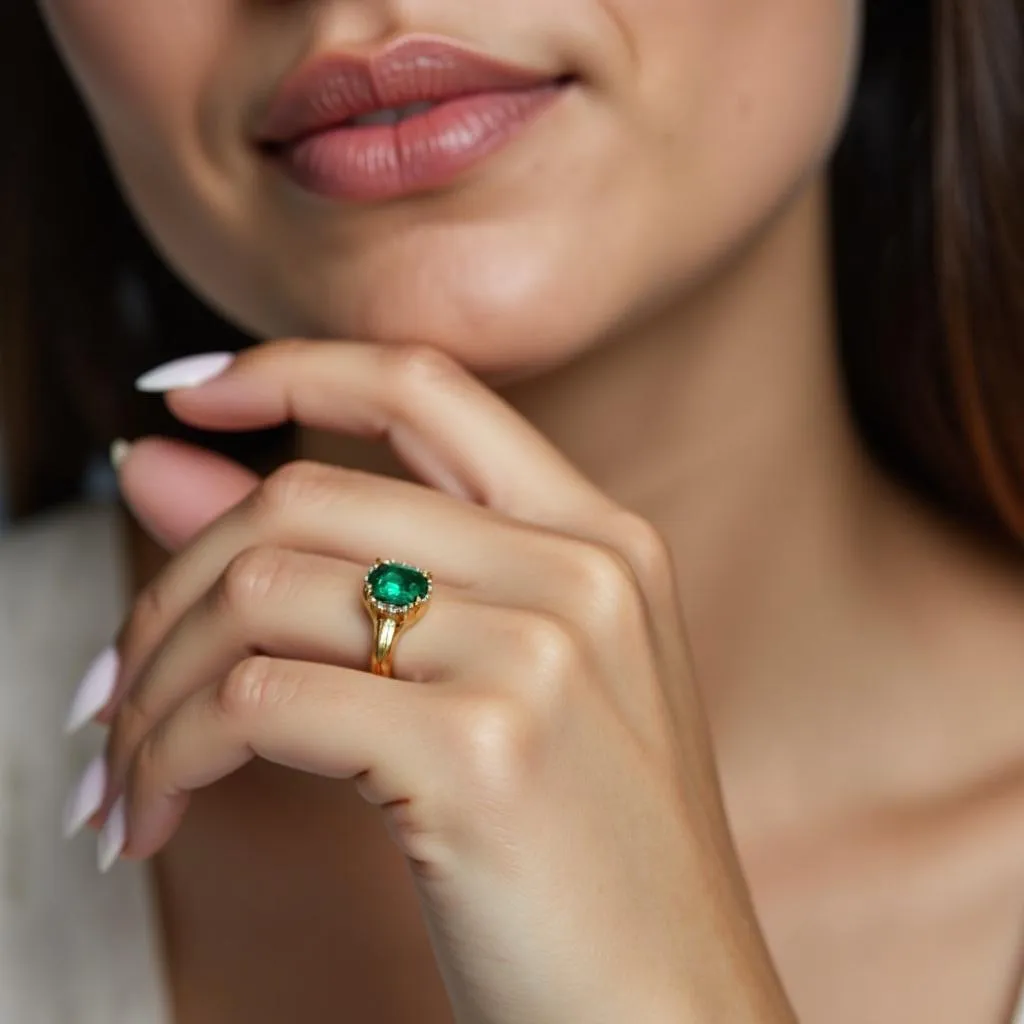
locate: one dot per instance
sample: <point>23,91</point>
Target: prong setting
<point>396,589</point>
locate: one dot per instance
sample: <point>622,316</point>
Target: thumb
<point>175,489</point>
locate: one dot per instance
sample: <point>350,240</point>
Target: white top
<point>75,947</point>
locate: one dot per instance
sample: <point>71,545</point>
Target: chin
<point>503,319</point>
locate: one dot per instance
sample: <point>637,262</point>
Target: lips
<point>415,70</point>
<point>408,119</point>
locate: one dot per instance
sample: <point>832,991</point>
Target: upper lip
<point>331,89</point>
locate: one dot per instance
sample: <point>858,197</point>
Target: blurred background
<point>86,303</point>
<point>98,482</point>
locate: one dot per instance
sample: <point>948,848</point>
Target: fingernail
<point>189,372</point>
<point>110,843</point>
<point>119,452</point>
<point>94,691</point>
<point>86,798</point>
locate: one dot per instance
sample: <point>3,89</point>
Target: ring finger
<point>301,606</point>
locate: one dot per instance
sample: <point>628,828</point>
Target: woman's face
<point>688,125</point>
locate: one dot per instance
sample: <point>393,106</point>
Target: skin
<point>652,297</point>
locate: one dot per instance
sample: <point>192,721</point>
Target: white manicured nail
<point>189,372</point>
<point>86,798</point>
<point>112,836</point>
<point>94,691</point>
<point>119,452</point>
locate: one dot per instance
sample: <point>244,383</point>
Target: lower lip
<point>428,151</point>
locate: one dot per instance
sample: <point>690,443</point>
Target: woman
<point>697,694</point>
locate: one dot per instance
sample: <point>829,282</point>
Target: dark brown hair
<point>928,238</point>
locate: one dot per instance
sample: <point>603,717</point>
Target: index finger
<point>443,422</point>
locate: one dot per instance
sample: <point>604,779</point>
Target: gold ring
<point>396,596</point>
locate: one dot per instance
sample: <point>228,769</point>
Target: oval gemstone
<point>397,584</point>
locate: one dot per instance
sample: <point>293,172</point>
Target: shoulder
<point>957,594</point>
<point>945,648</point>
<point>67,936</point>
<point>963,616</point>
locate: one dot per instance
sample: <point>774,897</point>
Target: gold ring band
<point>396,595</point>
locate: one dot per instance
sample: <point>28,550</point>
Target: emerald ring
<point>396,595</point>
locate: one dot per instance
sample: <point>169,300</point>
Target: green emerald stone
<point>397,584</point>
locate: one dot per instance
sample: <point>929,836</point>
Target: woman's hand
<point>541,756</point>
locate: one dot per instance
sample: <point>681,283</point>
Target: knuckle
<point>646,550</point>
<point>252,685</point>
<point>555,656</point>
<point>420,369</point>
<point>602,581</point>
<point>501,742</point>
<point>250,578</point>
<point>298,483</point>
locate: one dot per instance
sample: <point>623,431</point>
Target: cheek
<point>750,93</point>
<point>138,65</point>
<point>161,81</point>
<point>733,63</point>
<point>733,106</point>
